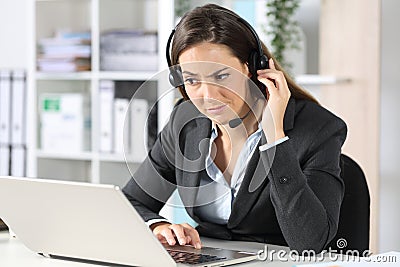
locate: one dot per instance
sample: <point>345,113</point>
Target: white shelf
<point>103,75</point>
<point>85,75</point>
<point>86,156</point>
<point>116,158</point>
<point>127,75</point>
<point>311,79</point>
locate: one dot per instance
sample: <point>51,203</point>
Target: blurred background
<point>72,66</point>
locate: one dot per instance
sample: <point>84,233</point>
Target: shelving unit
<point>95,16</point>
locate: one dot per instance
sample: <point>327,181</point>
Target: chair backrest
<point>353,231</point>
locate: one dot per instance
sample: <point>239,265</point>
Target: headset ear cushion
<point>257,62</point>
<point>263,63</point>
<point>175,76</point>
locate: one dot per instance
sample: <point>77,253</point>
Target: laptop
<point>93,223</point>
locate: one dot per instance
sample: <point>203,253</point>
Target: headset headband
<point>241,20</point>
<point>168,45</point>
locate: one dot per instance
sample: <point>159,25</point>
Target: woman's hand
<point>279,94</point>
<point>184,233</point>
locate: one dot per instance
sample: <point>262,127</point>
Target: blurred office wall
<point>308,18</point>
<point>389,237</point>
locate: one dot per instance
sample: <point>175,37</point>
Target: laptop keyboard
<point>192,258</point>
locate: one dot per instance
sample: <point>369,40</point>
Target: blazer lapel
<point>255,178</point>
<point>197,140</point>
<point>253,184</point>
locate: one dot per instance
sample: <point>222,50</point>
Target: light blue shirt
<point>215,197</point>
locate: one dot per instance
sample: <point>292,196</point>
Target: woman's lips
<point>217,109</point>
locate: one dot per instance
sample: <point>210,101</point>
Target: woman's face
<point>215,81</point>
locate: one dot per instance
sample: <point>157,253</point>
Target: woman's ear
<point>246,67</point>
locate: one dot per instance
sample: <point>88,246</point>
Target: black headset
<point>257,61</point>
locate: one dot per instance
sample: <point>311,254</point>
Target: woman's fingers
<point>168,235</point>
<point>184,233</point>
<point>179,233</point>
<point>161,238</point>
<point>274,80</point>
<point>269,84</point>
<point>274,75</point>
<point>193,235</point>
<point>271,64</point>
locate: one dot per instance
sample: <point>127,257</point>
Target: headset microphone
<point>236,122</point>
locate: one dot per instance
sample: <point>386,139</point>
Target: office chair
<point>355,210</point>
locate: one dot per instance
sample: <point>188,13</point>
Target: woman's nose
<point>209,91</point>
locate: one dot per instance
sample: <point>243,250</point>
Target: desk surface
<point>13,253</point>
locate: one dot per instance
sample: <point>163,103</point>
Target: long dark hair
<point>215,24</point>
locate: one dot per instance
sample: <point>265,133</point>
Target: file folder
<point>18,105</point>
<point>18,161</point>
<point>106,92</point>
<point>139,113</point>
<point>121,125</point>
<point>4,160</point>
<point>5,106</point>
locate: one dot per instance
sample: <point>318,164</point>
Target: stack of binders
<point>12,123</point>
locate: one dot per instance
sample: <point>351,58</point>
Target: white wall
<point>13,34</point>
<point>390,128</point>
<point>308,18</point>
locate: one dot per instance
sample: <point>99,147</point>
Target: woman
<point>271,176</point>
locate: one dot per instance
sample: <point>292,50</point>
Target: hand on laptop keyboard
<point>184,233</point>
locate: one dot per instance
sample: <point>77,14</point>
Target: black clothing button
<point>283,180</point>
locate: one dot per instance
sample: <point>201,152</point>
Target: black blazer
<point>290,194</point>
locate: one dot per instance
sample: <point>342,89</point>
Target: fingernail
<point>182,241</point>
<point>171,242</point>
<point>197,245</point>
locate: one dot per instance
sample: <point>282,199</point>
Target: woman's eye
<point>191,81</point>
<point>222,76</point>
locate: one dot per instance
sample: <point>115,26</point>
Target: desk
<point>14,254</point>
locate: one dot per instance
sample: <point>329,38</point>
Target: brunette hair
<point>215,24</point>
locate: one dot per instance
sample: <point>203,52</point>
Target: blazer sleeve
<point>307,196</point>
<point>154,181</point>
